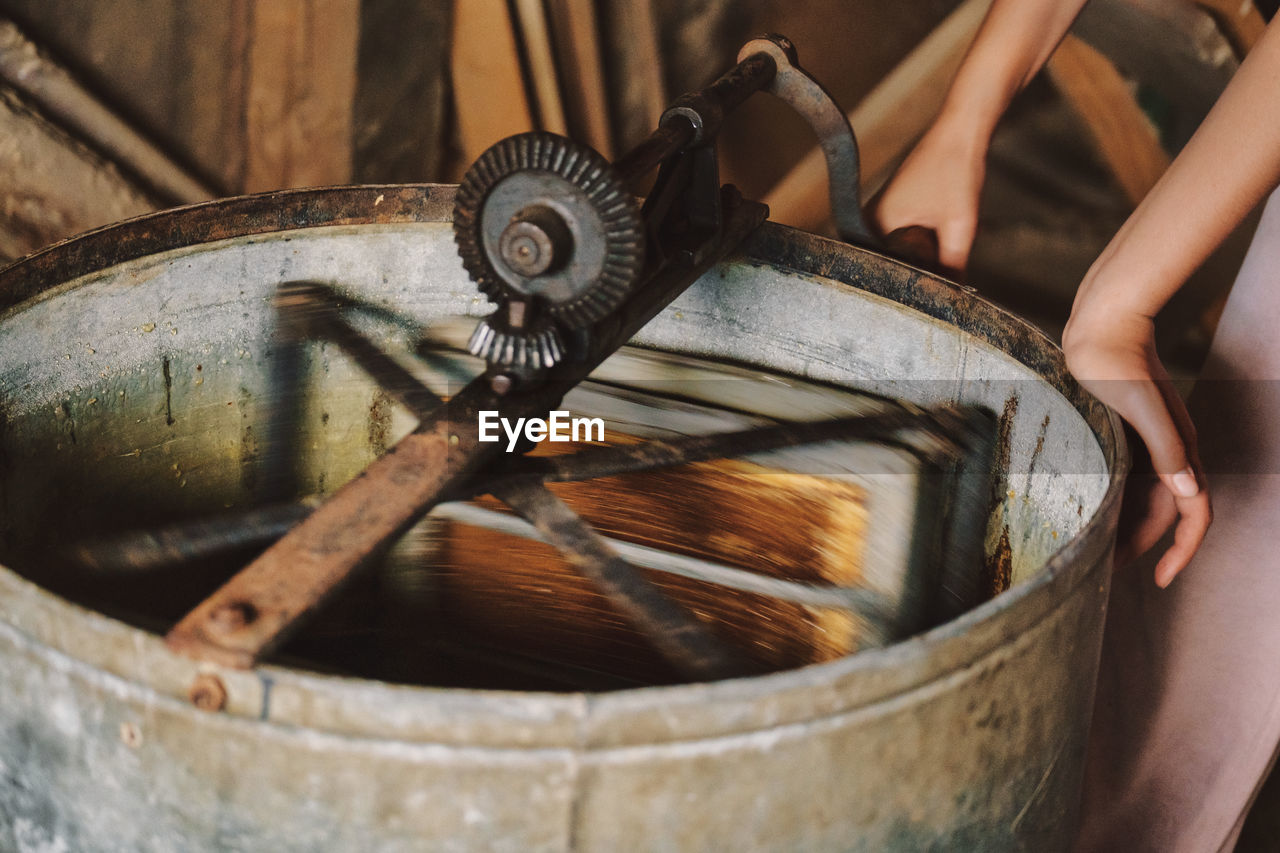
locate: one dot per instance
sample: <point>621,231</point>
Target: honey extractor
<point>140,375</point>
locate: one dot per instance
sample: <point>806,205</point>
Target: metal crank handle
<point>918,246</point>
<point>807,97</point>
<point>914,244</point>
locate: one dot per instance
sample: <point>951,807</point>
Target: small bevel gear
<point>539,218</point>
<point>538,348</point>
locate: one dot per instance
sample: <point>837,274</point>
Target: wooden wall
<point>167,65</point>
<point>263,94</point>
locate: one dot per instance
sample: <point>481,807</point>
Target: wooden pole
<point>300,89</point>
<point>536,37</point>
<point>576,33</point>
<point>488,88</point>
<point>1121,132</point>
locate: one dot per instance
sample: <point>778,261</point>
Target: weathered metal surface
<point>969,736</point>
<point>307,309</point>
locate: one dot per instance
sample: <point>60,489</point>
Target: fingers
<point>922,238</point>
<point>1182,420</point>
<point>1149,514</point>
<point>1195,511</point>
<point>914,244</point>
<point>1143,404</point>
<point>1161,420</point>
<point>945,252</point>
<point>955,240</point>
<point>1196,514</point>
<point>937,188</point>
<point>1155,413</point>
<point>1114,357</point>
<point>1145,518</point>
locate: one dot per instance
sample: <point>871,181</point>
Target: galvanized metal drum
<point>130,359</point>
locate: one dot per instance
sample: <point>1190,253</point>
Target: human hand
<point>937,188</point>
<point>1112,354</point>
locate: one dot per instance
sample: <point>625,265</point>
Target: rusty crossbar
<point>253,612</point>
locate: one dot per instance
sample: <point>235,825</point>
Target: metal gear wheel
<point>540,217</point>
<point>533,349</point>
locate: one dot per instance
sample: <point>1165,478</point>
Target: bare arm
<point>1227,168</point>
<point>938,184</point>
<point>1015,41</point>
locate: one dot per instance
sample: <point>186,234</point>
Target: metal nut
<point>501,383</point>
<point>232,617</point>
<point>535,242</point>
<point>208,693</point>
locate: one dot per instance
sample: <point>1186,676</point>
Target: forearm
<point>1015,40</point>
<point>1229,165</point>
<point>938,185</point>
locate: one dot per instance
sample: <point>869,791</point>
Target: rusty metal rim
<point>901,668</point>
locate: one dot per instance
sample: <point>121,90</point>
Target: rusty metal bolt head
<point>208,693</point>
<point>501,383</point>
<point>232,617</point>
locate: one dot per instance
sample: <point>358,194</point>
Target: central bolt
<point>208,693</point>
<point>232,617</point>
<point>536,241</point>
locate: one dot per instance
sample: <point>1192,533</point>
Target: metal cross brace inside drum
<point>963,428</point>
<point>549,231</point>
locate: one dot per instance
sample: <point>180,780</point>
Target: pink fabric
<point>1188,710</point>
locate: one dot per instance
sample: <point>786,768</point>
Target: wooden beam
<point>1239,20</point>
<point>299,92</point>
<point>576,34</point>
<point>401,127</point>
<point>173,70</point>
<point>649,58</point>
<point>641,85</point>
<point>52,186</point>
<point>536,37</point>
<point>59,96</point>
<point>488,89</point>
<point>1122,133</point>
<point>887,121</point>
